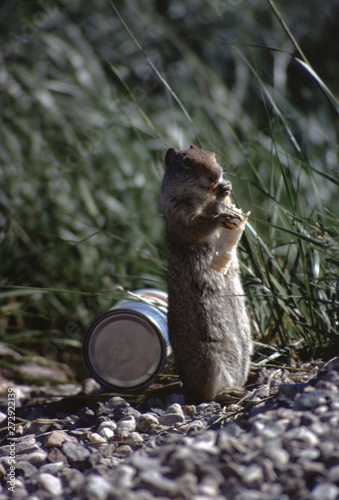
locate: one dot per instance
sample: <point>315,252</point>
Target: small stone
<point>96,438</point>
<point>276,453</point>
<point>117,402</point>
<point>325,491</point>
<point>206,491</point>
<point>56,455</point>
<point>195,427</point>
<point>56,438</point>
<point>175,409</point>
<point>173,415</point>
<point>97,487</point>
<point>333,421</point>
<point>134,439</point>
<point>106,433</point>
<point>187,482</point>
<point>123,451</point>
<point>147,423</point>
<point>181,461</point>
<point>307,453</point>
<point>127,423</point>
<point>52,468</point>
<point>25,468</point>
<point>89,386</point>
<point>158,484</point>
<point>128,411</point>
<point>190,410</point>
<point>106,424</point>
<point>205,442</point>
<point>125,426</point>
<point>24,444</point>
<point>51,484</point>
<point>273,429</point>
<point>269,473</point>
<point>123,476</point>
<point>319,428</point>
<point>37,457</point>
<point>302,434</point>
<point>73,479</point>
<point>75,452</point>
<point>321,410</point>
<point>312,469</point>
<point>170,419</point>
<point>253,476</point>
<point>108,449</point>
<point>333,474</point>
<point>202,407</point>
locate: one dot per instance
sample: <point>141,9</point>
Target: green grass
<point>92,100</point>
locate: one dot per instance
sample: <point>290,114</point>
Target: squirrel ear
<point>169,155</point>
<point>192,146</point>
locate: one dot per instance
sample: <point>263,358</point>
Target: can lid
<point>123,350</point>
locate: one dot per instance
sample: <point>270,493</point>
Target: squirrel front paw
<point>228,219</point>
<point>223,189</point>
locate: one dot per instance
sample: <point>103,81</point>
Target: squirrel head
<point>194,164</point>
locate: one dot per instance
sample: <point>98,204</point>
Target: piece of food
<point>227,243</point>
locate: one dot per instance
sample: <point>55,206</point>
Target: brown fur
<point>207,319</point>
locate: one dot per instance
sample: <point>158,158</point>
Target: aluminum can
<point>126,347</point>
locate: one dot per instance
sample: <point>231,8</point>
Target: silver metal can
<point>126,347</point>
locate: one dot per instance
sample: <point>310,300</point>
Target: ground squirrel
<point>207,320</point>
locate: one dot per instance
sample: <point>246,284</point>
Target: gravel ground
<point>278,441</point>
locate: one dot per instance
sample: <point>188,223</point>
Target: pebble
<point>89,386</point>
<point>24,444</point>
<point>134,439</point>
<point>107,433</point>
<point>282,448</point>
<point>73,480</point>
<point>37,457</point>
<point>55,438</point>
<point>123,476</point>
<point>123,451</point>
<point>51,484</point>
<point>253,476</point>
<point>25,468</point>
<point>52,468</point>
<point>56,455</point>
<point>96,438</point>
<point>303,435</point>
<point>97,487</point>
<point>125,426</point>
<point>106,424</point>
<point>147,423</point>
<point>170,419</point>
<point>76,453</point>
<point>325,491</point>
<point>158,483</point>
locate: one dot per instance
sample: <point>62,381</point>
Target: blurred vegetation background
<point>91,98</point>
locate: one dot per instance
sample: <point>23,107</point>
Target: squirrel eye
<point>187,162</point>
